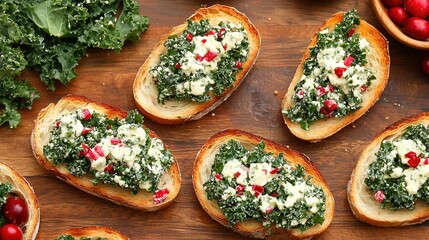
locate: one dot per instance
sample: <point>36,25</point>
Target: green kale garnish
<point>51,36</point>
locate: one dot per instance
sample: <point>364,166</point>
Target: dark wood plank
<point>286,27</point>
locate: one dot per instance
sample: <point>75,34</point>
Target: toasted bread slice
<point>176,112</point>
<point>362,201</point>
<point>378,59</point>
<point>253,228</point>
<point>22,189</point>
<point>94,232</point>
<point>171,179</point>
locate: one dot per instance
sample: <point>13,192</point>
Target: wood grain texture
<point>286,27</point>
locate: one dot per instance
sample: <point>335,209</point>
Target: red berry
<point>189,37</point>
<point>15,211</point>
<point>210,56</point>
<point>330,105</point>
<point>425,64</point>
<point>239,188</point>
<point>86,114</point>
<point>109,169</point>
<point>417,8</point>
<point>350,32</point>
<point>379,196</point>
<point>398,15</point>
<point>414,162</point>
<point>238,64</point>
<point>363,88</point>
<point>221,32</point>
<point>11,232</point>
<point>160,195</point>
<point>417,28</point>
<point>211,32</point>
<point>218,176</point>
<point>258,190</point>
<point>410,154</point>
<point>393,3</point>
<point>178,65</point>
<point>339,71</point>
<point>348,61</point>
<point>274,170</point>
<point>237,174</point>
<point>320,91</point>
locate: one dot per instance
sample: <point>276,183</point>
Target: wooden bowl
<point>382,14</point>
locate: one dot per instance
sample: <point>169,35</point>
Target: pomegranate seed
<point>410,154</point>
<point>221,32</point>
<point>238,64</point>
<point>99,150</point>
<point>210,56</point>
<point>178,65</point>
<point>268,210</point>
<point>350,32</point>
<point>189,37</point>
<point>204,40</point>
<point>86,148</point>
<point>339,71</point>
<point>331,105</point>
<point>379,196</point>
<point>109,169</point>
<point>57,123</point>
<point>348,61</point>
<point>320,91</point>
<point>414,162</point>
<point>331,88</point>
<point>199,58</point>
<point>218,176</point>
<point>325,111</point>
<point>239,188</point>
<point>160,195</point>
<point>258,190</point>
<point>300,94</point>
<point>86,114</point>
<point>363,88</point>
<point>274,170</point>
<point>265,171</point>
<point>237,174</point>
<point>86,130</point>
<point>115,141</point>
<point>225,47</point>
<point>426,162</point>
<point>274,194</point>
<point>108,127</point>
<point>211,32</point>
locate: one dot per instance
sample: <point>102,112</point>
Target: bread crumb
<point>276,92</point>
<point>104,84</point>
<point>353,126</point>
<point>387,118</point>
<point>346,150</point>
<point>213,114</point>
<point>269,19</point>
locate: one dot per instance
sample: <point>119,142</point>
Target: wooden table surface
<point>286,27</point>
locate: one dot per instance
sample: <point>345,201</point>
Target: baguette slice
<point>176,112</point>
<point>22,188</point>
<point>41,136</point>
<point>362,201</point>
<point>94,232</point>
<point>378,59</point>
<point>252,228</point>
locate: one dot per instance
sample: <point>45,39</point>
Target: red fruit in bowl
<point>425,64</point>
<point>398,15</point>
<point>15,211</point>
<point>393,3</point>
<point>10,232</point>
<point>417,8</point>
<point>417,28</point>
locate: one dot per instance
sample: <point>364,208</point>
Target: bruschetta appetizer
<point>261,189</point>
<point>342,74</point>
<point>389,185</point>
<point>197,65</point>
<point>107,152</point>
